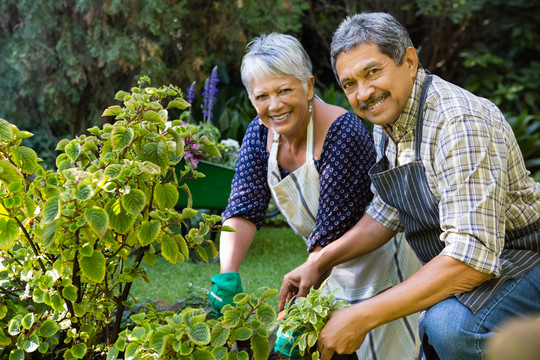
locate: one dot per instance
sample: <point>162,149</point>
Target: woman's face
<point>282,103</point>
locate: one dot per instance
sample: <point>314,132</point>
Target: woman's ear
<point>311,88</point>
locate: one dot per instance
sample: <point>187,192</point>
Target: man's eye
<point>373,71</point>
<point>283,91</point>
<point>260,97</point>
<point>347,85</point>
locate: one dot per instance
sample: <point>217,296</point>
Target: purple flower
<point>190,95</point>
<point>209,95</point>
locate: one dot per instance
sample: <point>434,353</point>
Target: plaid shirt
<point>474,168</point>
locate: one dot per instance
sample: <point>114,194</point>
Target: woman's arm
<point>233,246</point>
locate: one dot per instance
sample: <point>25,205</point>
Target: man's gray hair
<point>380,29</point>
<point>275,55</point>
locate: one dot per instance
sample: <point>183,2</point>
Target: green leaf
<point>98,220</point>
<point>150,258</point>
<point>152,116</point>
<point>149,231</point>
<point>14,325</point>
<point>156,153</point>
<point>131,351</point>
<point>43,347</point>
<point>49,234</point>
<point>9,173</point>
<point>6,132</point>
<point>203,355</point>
<point>113,171</point>
<point>51,210</point>
<point>3,311</point>
<point>219,335</point>
<point>15,186</point>
<point>158,340</point>
<point>259,344</point>
<point>113,353</point>
<point>70,293</point>
<point>26,159</point>
<point>119,219</point>
<point>28,321</point>
<point>57,303</point>
<point>178,103</point>
<point>242,333</point>
<point>183,246</point>
<point>83,192</point>
<point>112,111</point>
<point>166,196</point>
<point>48,328</point>
<point>31,344</point>
<point>4,339</point>
<point>16,354</point>
<point>199,333</point>
<point>169,249</point>
<point>93,267</point>
<point>219,352</point>
<point>231,317</point>
<point>73,150</point>
<point>121,137</point>
<point>78,350</point>
<point>134,201</point>
<point>9,231</point>
<point>266,314</point>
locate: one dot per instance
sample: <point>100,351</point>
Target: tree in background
<point>61,60</point>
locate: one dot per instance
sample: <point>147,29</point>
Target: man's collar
<point>409,115</point>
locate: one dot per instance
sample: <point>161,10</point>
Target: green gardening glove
<point>284,344</point>
<point>224,287</point>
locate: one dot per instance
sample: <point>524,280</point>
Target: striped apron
<point>406,188</point>
<point>297,197</point>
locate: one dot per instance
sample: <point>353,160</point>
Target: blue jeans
<point>456,333</point>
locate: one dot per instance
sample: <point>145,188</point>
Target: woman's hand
<point>300,280</point>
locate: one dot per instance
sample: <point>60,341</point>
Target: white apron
<point>297,197</point>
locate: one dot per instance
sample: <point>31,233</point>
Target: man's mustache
<point>373,100</point>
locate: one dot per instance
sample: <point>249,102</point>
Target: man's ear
<point>411,61</point>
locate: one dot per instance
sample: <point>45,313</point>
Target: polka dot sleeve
<point>347,155</point>
<point>250,194</point>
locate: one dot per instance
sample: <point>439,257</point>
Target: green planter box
<point>210,192</point>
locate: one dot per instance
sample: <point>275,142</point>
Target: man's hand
<point>342,333</point>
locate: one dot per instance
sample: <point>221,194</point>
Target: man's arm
<point>366,236</point>
<point>439,279</point>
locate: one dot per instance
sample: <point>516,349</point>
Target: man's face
<point>375,86</point>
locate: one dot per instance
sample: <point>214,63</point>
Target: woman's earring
<point>310,107</point>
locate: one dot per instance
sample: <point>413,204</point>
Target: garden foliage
<point>66,235</point>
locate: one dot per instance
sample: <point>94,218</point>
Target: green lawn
<point>274,252</point>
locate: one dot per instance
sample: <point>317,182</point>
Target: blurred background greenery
<point>61,62</point>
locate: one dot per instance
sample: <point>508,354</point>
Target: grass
<point>274,252</point>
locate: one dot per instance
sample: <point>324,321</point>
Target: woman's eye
<point>373,71</point>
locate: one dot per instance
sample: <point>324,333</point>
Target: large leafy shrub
<point>65,235</point>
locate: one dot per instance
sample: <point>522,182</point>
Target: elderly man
<point>451,176</point>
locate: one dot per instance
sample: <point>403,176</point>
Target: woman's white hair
<point>275,55</point>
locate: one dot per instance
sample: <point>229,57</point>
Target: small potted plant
<point>302,323</point>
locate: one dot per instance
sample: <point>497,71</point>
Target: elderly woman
<point>313,159</point>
